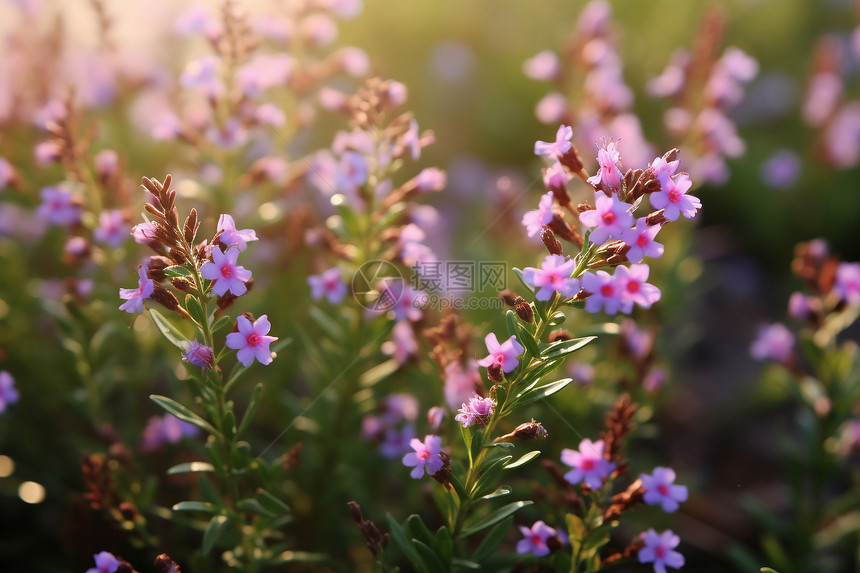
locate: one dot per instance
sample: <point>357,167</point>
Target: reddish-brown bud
<point>562,229</point>
<point>583,207</point>
<point>183,284</point>
<point>656,218</point>
<point>523,310</point>
<point>510,297</point>
<point>155,267</point>
<point>494,373</point>
<point>164,564</point>
<point>550,242</point>
<point>166,298</point>
<point>557,335</point>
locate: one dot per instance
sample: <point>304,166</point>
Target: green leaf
<point>297,557</point>
<point>494,518</point>
<point>176,271</point>
<point>535,394</point>
<point>353,222</point>
<point>493,539</point>
<point>565,347</point>
<point>465,564</point>
<point>203,506</point>
<point>208,490</point>
<point>419,530</point>
<point>170,332</point>
<point>378,373</point>
<point>431,558</point>
<point>557,319</point>
<point>229,424</point>
<point>192,305</point>
<point>528,341</point>
<point>405,544</point>
<point>445,544</point>
<point>486,481</point>
<point>512,323</point>
<point>179,411</point>
<point>251,504</point>
<point>216,527</point>
<point>458,487</point>
<point>190,468</point>
<point>767,570</point>
<point>467,439</point>
<point>501,492</point>
<point>526,458</point>
<point>251,409</point>
<point>272,503</point>
<point>222,324</point>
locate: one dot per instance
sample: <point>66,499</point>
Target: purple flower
<point>251,340</point>
<point>557,148</point>
<point>328,284</point>
<point>58,206</point>
<point>431,179</point>
<point>634,289</point>
<point>197,19</point>
<point>544,66</point>
<point>401,298</point>
<point>232,237</point>
<point>588,464</point>
<point>476,410</point>
<point>112,228</point>
<point>552,277</point>
<point>774,342</point>
<point>227,275</point>
<point>660,489</point>
<point>264,71</point>
<point>167,429</point>
<point>609,174</point>
<point>199,355</point>
<point>354,61</point>
<point>535,220</point>
<point>848,282</point>
<point>654,379</point>
<point>801,306</point>
<point>551,108</point>
<point>658,550</point>
<point>144,233</point>
<point>395,441</point>
<point>535,538</point>
<point>641,241</point>
<point>604,292</point>
<point>610,218</point>
<point>503,355</point>
<point>203,74</point>
<point>781,169</point>
<point>8,393</point>
<point>461,382</point>
<point>435,416</point>
<point>105,563</point>
<point>426,457</point>
<point>351,172</point>
<point>672,196</point>
<point>106,162</point>
<point>136,296</point>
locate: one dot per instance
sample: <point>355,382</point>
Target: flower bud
<point>494,373</point>
<point>523,309</point>
<point>557,335</point>
<point>550,242</point>
<point>509,296</point>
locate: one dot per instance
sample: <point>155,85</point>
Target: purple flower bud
<point>8,393</point>
<point>199,355</point>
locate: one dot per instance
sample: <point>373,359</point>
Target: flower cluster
<point>392,426</point>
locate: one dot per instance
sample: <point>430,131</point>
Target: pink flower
<point>106,162</point>
<point>426,457</point>
<point>8,393</point>
<point>641,241</point>
<point>228,276</point>
<point>264,71</point>
<point>395,441</point>
<point>848,282</point>
<point>634,289</point>
<point>328,284</point>
<point>610,218</point>
<point>801,306</point>
<point>58,206</point>
<point>557,148</point>
<point>165,429</point>
<point>660,489</point>
<point>7,172</point>
<point>354,61</point>
<point>589,464</point>
<point>105,563</point>
<point>503,355</point>
<point>658,550</point>
<point>654,379</point>
<point>144,233</point>
<point>252,341</point>
<point>197,19</point>
<point>203,74</point>
<point>460,382</point>
<point>535,220</point>
<point>351,172</point>
<point>403,343</point>
<point>609,174</point>
<point>605,293</point>
<point>672,196</point>
<point>231,237</point>
<point>552,277</point>
<point>774,342</point>
<point>112,228</point>
<point>535,538</point>
<point>476,410</point>
<point>136,296</point>
<point>431,179</point>
<point>544,66</point>
<point>551,108</point>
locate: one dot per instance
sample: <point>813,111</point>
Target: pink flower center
<point>642,241</point>
<point>674,195</point>
<point>633,286</point>
<point>588,465</point>
<point>253,339</point>
<point>330,284</point>
<point>536,540</point>
<point>663,489</point>
<point>609,218</point>
<point>424,454</point>
<point>660,551</point>
<point>554,278</point>
<point>227,271</point>
<point>499,359</point>
<point>607,291</point>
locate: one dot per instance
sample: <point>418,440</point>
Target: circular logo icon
<point>377,286</point>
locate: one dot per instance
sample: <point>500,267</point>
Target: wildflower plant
<point>520,370</point>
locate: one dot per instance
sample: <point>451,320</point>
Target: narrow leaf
<point>203,506</point>
<point>170,332</point>
<point>176,271</point>
<point>251,504</point>
<point>526,458</point>
<point>405,544</point>
<point>192,305</point>
<point>495,517</point>
<point>493,539</point>
<point>190,468</point>
<point>378,373</point>
<point>565,347</point>
<point>528,341</point>
<point>216,527</point>
<point>179,411</point>
<point>512,323</point>
<point>272,503</point>
<point>251,409</point>
<point>501,492</point>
